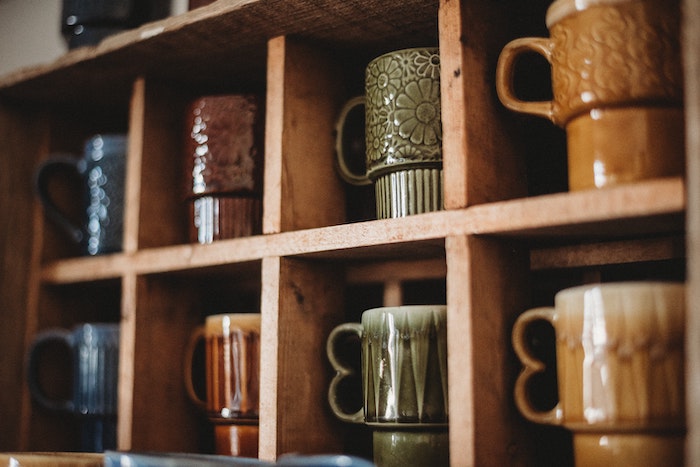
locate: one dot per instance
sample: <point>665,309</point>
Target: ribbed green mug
<point>402,133</point>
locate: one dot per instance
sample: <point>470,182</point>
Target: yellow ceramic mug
<point>619,352</point>
<point>617,87</point>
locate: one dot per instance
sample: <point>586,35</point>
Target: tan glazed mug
<point>404,383</point>
<point>617,87</point>
<point>403,133</point>
<point>620,361</point>
<point>232,372</point>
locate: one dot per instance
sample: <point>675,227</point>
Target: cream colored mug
<point>617,87</point>
<point>620,360</point>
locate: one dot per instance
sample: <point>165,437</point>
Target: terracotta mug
<point>232,372</point>
<point>224,154</point>
<point>620,361</point>
<point>402,132</point>
<point>404,382</point>
<point>617,87</point>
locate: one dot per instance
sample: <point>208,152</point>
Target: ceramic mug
<point>620,365</point>
<point>95,354</point>
<point>402,131</point>
<point>404,382</point>
<point>102,170</point>
<point>617,87</point>
<point>224,154</point>
<point>232,372</point>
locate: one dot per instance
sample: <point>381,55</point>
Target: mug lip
<point>636,285</point>
<point>560,9</point>
<point>238,320</point>
<point>397,308</point>
<point>434,49</point>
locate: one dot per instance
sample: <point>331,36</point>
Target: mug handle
<point>197,335</point>
<point>505,76</point>
<point>50,336</point>
<point>341,158</point>
<point>41,183</point>
<point>342,372</point>
<point>531,367</point>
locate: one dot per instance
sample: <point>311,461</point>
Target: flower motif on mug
<point>383,79</point>
<point>377,134</point>
<point>417,112</point>
<point>428,65</point>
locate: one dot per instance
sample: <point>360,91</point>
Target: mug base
<point>608,147</point>
<point>638,449</point>
<point>415,447</point>
<point>406,192</point>
<point>236,440</point>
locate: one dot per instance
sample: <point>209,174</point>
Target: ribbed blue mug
<point>94,349</point>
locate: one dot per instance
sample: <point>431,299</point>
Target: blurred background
<point>30,31</point>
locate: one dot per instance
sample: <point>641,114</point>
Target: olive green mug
<point>402,133</point>
<point>404,382</point>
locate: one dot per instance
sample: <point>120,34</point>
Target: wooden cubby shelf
<point>510,237</point>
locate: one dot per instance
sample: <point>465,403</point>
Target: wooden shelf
<point>509,240</point>
<point>643,209</point>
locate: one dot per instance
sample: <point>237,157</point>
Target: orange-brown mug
<point>224,159</point>
<point>619,360</point>
<point>232,373</point>
<point>617,87</point>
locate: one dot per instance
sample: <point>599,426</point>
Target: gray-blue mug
<point>102,169</point>
<point>95,353</point>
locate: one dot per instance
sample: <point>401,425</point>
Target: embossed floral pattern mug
<point>617,87</point>
<point>403,132</point>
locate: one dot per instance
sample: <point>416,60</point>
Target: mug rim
<point>398,308</point>
<point>238,320</point>
<point>636,285</point>
<point>436,49</point>
<point>560,9</point>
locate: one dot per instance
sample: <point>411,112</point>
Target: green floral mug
<point>403,133</point>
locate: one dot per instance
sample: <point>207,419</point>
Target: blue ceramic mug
<point>95,353</point>
<point>102,169</point>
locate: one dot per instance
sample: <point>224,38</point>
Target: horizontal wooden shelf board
<point>648,207</point>
<point>607,253</point>
<point>642,209</point>
<point>222,41</point>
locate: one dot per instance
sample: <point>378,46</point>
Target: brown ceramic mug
<point>232,372</point>
<point>617,87</point>
<point>619,354</point>
<point>224,154</point>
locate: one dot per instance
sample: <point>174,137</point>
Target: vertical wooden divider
<point>301,303</point>
<point>302,189</point>
<point>127,344</point>
<point>301,300</point>
<point>25,135</point>
<point>129,299</point>
<point>486,290</point>
<point>691,41</point>
<point>480,158</point>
